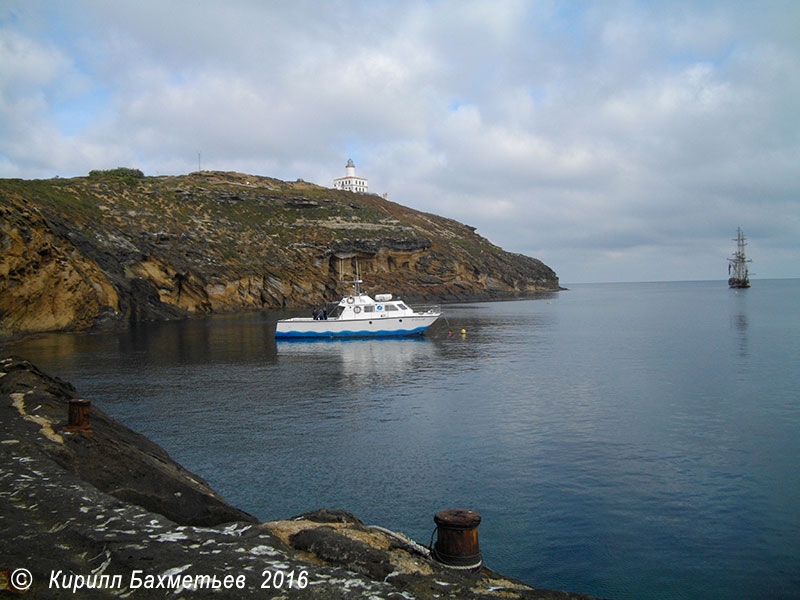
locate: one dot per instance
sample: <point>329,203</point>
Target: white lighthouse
<point>350,182</point>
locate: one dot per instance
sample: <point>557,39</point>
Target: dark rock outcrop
<point>110,249</point>
<point>89,514</point>
<point>109,456</point>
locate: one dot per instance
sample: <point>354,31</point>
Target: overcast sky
<point>616,141</point>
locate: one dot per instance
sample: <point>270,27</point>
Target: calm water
<point>621,440</point>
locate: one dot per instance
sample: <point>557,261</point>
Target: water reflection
<point>222,339</point>
<point>361,360</point>
<point>218,340</point>
<point>739,320</point>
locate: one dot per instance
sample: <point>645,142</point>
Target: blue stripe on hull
<point>363,333</point>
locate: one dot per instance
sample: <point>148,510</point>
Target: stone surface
<point>80,506</point>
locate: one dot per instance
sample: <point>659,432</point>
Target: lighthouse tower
<point>350,182</point>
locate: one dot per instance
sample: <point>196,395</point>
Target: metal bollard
<point>457,540</point>
<point>78,418</point>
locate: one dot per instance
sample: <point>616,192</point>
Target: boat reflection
<point>359,358</point>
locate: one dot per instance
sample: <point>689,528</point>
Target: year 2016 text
<point>281,579</point>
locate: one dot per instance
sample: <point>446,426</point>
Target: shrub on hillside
<point>118,172</point>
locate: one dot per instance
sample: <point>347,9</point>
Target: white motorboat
<point>359,315</point>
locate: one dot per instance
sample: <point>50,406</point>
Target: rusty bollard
<point>78,418</point>
<point>457,540</point>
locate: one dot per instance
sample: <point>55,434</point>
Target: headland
<point>116,247</point>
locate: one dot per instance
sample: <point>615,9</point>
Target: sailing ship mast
<point>738,277</point>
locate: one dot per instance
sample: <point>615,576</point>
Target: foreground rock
<point>106,513</point>
<point>105,250</point>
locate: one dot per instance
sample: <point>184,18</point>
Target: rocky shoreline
<point>103,512</point>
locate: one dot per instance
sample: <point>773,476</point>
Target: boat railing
<point>428,308</point>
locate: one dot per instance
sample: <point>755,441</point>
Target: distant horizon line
<point>722,279</point>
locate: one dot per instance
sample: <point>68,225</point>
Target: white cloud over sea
<point>616,141</point>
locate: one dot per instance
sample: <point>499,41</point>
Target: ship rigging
<point>738,276</point>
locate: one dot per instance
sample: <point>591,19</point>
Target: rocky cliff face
<point>108,249</point>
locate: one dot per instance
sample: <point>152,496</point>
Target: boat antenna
<point>341,273</point>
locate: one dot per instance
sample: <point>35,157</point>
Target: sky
<point>614,140</point>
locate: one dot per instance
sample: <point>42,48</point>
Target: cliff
<point>116,247</point>
<point>105,513</point>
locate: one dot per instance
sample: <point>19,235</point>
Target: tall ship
<point>738,277</point>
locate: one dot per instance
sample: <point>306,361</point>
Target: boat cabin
<point>361,306</point>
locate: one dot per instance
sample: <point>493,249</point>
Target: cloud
<point>599,136</point>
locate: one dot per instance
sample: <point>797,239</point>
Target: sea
<point>626,440</point>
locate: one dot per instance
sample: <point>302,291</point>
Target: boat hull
<point>382,327</point>
<point>738,283</point>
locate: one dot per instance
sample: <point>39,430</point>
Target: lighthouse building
<point>350,182</point>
